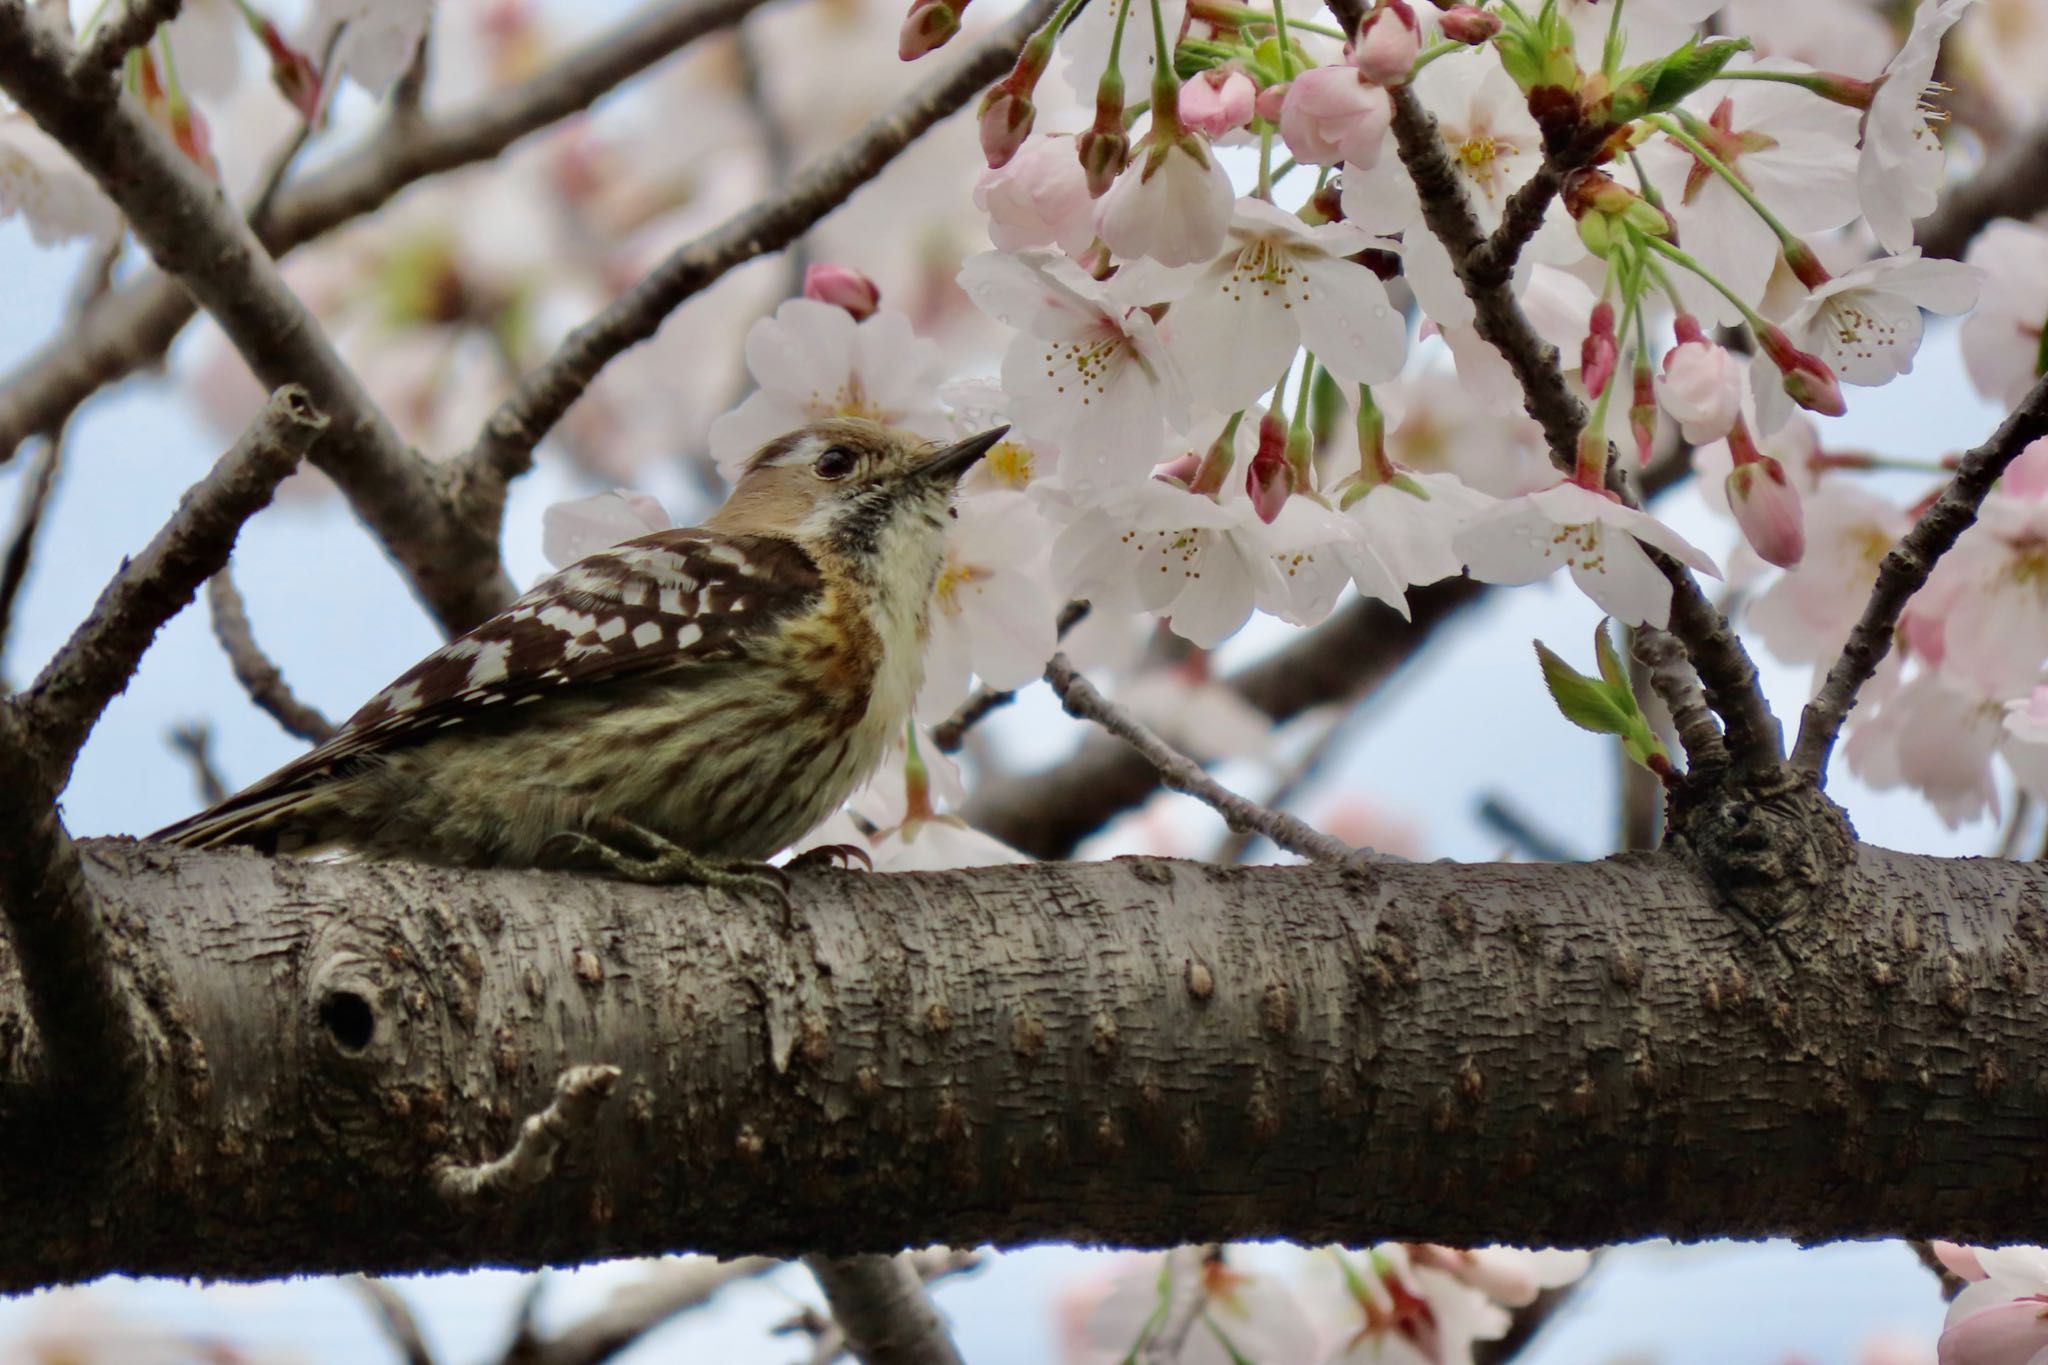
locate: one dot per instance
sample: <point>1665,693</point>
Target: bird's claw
<point>831,855</point>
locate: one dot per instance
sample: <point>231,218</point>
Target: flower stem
<point>1677,133</point>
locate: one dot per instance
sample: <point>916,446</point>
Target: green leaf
<point>1659,86</point>
<point>1611,666</point>
<point>1586,702</point>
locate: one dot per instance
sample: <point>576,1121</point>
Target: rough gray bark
<point>1140,1052</point>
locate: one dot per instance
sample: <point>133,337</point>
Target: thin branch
<point>94,1051</point>
<point>1182,774</point>
<point>776,150</point>
<point>2012,184</point>
<point>950,733</point>
<point>96,663</point>
<point>1185,1300</point>
<point>21,542</point>
<point>181,218</point>
<point>1672,679</point>
<point>669,1290</point>
<point>1723,665</point>
<point>193,742</point>
<point>100,56</point>
<point>132,326</point>
<point>1521,832</point>
<point>579,1094</point>
<point>1905,570</point>
<point>880,1305</point>
<point>259,677</point>
<point>1314,754</point>
<point>504,449</point>
<point>395,1317</point>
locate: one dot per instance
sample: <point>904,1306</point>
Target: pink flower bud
<point>1702,385</point>
<point>1217,101</point>
<point>1334,114</point>
<point>1006,119</point>
<point>1468,24</point>
<point>1271,478</point>
<point>1600,353</point>
<point>1766,506</point>
<point>292,71</point>
<point>1180,469</point>
<point>842,288</point>
<point>1270,101</point>
<point>1961,1261</point>
<point>930,24</point>
<point>1808,380</point>
<point>1388,44</point>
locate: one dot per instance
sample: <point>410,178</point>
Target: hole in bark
<point>349,1020</point>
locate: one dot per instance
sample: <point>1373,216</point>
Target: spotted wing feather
<point>672,601</point>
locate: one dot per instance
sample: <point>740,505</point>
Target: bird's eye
<point>836,463</point>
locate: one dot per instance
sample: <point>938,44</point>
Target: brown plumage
<point>683,701</point>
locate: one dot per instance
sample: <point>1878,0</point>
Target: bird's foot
<point>831,855</point>
<point>656,861</point>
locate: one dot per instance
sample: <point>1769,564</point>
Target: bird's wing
<point>670,601</point>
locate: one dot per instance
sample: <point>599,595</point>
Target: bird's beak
<point>955,460</point>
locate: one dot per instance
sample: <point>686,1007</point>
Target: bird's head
<point>850,489</point>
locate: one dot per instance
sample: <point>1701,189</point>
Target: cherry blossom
<point>992,608</point>
<point>1087,369</point>
<point>1170,205</point>
<point>1411,521</point>
<point>813,361</point>
<point>1899,174</point>
<point>2026,741</point>
<point>1936,734</point>
<point>1990,596</point>
<point>1844,35</point>
<point>1391,1311</point>
<point>1280,284</point>
<point>1217,101</point>
<point>2002,343</point>
<point>1592,534</point>
<point>1203,563</point>
<point>1486,127</point>
<point>1805,616</point>
<point>1332,114</point>
<point>53,195</point>
<point>1701,386</point>
<point>1084,47</point>
<point>580,528</point>
<point>378,37</point>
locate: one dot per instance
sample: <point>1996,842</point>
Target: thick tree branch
<point>1178,772</point>
<point>133,325</point>
<point>259,677</point>
<point>1675,684</point>
<point>880,1305</point>
<point>504,449</point>
<point>2013,184</point>
<point>1141,1052</point>
<point>1905,570</point>
<point>95,664</point>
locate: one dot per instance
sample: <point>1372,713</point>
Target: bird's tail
<point>291,821</point>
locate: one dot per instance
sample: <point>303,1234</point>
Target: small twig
<point>21,542</point>
<point>579,1094</point>
<point>1952,1284</point>
<point>1905,570</point>
<point>1675,684</point>
<point>880,1306</point>
<point>259,677</point>
<point>1185,1300</point>
<point>131,327</point>
<point>828,1342</point>
<point>108,45</point>
<point>194,742</point>
<point>950,733</point>
<point>395,1317</point>
<point>776,149</point>
<point>96,663</point>
<point>1183,774</point>
<point>504,449</point>
<point>271,183</point>
<point>1503,819</point>
<point>180,216</point>
<point>1298,775</point>
<point>669,1290</point>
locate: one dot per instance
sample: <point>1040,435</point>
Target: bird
<point>675,708</point>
